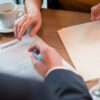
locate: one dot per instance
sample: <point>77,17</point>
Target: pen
<point>37,56</point>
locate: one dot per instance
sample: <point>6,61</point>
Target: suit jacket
<point>58,85</point>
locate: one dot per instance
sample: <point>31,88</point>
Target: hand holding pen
<point>37,56</point>
<point>44,58</point>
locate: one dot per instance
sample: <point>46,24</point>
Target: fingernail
<point>19,38</point>
<point>31,35</point>
<point>90,18</point>
<point>16,37</point>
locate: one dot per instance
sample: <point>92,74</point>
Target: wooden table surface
<point>54,20</point>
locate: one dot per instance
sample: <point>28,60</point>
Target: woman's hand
<point>50,58</point>
<point>28,19</point>
<point>95,12</point>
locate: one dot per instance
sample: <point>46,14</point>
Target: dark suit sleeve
<point>12,88</point>
<point>67,85</point>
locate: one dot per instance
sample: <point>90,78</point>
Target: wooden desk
<point>54,20</point>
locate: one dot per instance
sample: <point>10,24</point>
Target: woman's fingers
<point>35,29</point>
<point>98,18</point>
<point>17,28</point>
<point>95,17</point>
<point>20,24</point>
<point>95,12</point>
<point>24,27</point>
<point>93,9</point>
<point>92,18</point>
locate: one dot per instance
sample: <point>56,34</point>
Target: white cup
<point>9,18</point>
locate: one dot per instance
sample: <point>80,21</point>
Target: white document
<point>15,59</point>
<point>82,43</point>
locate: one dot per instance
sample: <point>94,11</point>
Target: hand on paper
<point>95,12</point>
<point>50,58</point>
<point>28,19</point>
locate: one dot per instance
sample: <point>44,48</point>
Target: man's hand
<point>95,12</point>
<point>29,19</point>
<point>50,58</point>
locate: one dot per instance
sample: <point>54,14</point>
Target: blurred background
<point>21,2</point>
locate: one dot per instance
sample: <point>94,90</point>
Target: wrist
<point>34,12</point>
<point>32,7</point>
<point>54,68</point>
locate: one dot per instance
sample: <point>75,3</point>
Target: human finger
<point>35,29</point>
<point>96,16</point>
<point>16,28</point>
<point>21,22</point>
<point>24,27</point>
<point>38,47</point>
<point>93,9</point>
<point>35,61</point>
<point>96,11</point>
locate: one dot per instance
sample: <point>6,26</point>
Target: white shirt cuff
<point>59,67</point>
<point>66,66</point>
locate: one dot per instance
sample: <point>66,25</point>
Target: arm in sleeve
<point>68,85</point>
<point>13,88</point>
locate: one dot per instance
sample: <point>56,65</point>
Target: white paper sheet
<point>15,59</point>
<point>82,42</point>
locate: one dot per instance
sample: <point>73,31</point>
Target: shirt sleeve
<point>60,67</point>
<point>66,66</point>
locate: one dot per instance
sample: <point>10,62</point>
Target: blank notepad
<point>82,43</point>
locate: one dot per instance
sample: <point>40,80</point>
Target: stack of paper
<point>82,42</point>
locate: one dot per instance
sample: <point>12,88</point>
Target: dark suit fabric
<point>68,85</point>
<point>58,85</point>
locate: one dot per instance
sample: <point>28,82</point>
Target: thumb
<point>35,29</point>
